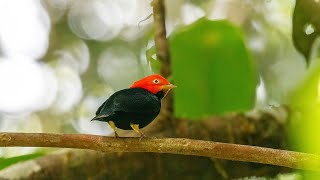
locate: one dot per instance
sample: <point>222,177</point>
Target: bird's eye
<point>156,81</point>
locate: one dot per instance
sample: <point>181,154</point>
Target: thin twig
<point>227,151</point>
<point>141,21</point>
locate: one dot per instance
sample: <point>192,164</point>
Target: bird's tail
<point>99,117</point>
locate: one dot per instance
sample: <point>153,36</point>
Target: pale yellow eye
<point>156,81</point>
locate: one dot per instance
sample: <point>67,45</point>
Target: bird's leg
<point>113,126</point>
<point>135,127</point>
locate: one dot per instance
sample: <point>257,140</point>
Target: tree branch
<point>260,128</point>
<point>227,151</point>
<point>160,38</point>
<point>165,118</point>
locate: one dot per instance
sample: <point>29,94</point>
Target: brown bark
<point>261,128</point>
<point>182,146</point>
<point>160,38</point>
<point>165,120</point>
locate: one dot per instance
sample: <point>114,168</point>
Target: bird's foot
<point>116,134</point>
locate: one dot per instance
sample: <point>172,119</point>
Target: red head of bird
<point>154,84</point>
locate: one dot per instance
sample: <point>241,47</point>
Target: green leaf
<point>305,25</point>
<point>155,64</point>
<point>5,162</point>
<point>212,69</point>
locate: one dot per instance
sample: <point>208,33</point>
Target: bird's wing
<point>98,117</point>
<point>128,100</point>
<point>99,109</point>
<point>136,100</point>
<point>104,110</point>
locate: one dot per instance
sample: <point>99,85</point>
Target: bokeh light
<point>20,23</point>
<point>261,94</point>
<point>56,8</point>
<point>87,110</point>
<point>118,66</point>
<point>69,89</point>
<point>26,85</point>
<point>96,19</point>
<point>75,55</point>
<point>191,13</point>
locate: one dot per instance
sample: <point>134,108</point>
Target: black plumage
<point>130,106</point>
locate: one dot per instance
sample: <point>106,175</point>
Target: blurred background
<point>61,59</point>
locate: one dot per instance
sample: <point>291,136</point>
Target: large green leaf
<point>305,18</point>
<point>212,69</point>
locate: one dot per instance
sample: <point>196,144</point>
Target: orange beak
<point>167,88</point>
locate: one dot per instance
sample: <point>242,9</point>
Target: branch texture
<point>227,151</point>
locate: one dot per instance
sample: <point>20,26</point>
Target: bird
<point>135,107</point>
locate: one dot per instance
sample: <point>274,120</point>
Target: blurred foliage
<point>155,63</point>
<point>304,126</point>
<point>212,68</point>
<point>305,25</point>
<point>5,162</point>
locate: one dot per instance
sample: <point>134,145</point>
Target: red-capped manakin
<point>135,107</point>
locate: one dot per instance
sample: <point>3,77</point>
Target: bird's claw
<point>116,135</point>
